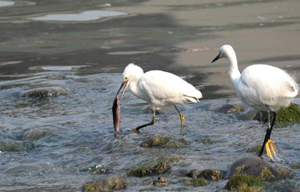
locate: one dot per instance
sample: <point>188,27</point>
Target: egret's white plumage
<point>263,87</point>
<point>159,88</point>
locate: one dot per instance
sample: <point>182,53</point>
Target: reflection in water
<point>6,3</point>
<point>83,16</point>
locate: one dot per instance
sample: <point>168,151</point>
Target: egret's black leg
<point>181,119</point>
<point>136,130</point>
<point>268,135</point>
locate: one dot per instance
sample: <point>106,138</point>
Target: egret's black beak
<point>217,57</point>
<point>125,85</point>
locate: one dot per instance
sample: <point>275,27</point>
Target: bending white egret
<point>159,89</point>
<point>263,87</point>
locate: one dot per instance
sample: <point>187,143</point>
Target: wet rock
<point>255,149</point>
<point>35,134</point>
<point>231,108</point>
<point>295,166</point>
<point>285,116</point>
<point>161,182</point>
<point>245,183</point>
<point>255,166</point>
<point>44,92</point>
<point>97,169</point>
<point>150,169</point>
<point>196,182</point>
<point>10,146</point>
<point>159,141</point>
<point>106,185</point>
<point>208,174</point>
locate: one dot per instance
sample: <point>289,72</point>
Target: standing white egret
<point>263,87</point>
<point>158,88</point>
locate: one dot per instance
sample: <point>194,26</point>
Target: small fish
<point>116,114</point>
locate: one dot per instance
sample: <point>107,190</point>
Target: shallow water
<point>55,138</point>
<point>78,133</point>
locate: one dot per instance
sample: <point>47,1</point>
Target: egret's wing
<point>166,87</point>
<point>266,84</point>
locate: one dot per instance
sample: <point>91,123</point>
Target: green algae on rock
<point>254,149</point>
<point>163,142</point>
<point>10,146</point>
<point>197,182</point>
<point>285,116</point>
<point>161,182</point>
<point>106,185</point>
<point>44,92</point>
<point>150,169</point>
<point>208,174</point>
<point>231,108</point>
<point>242,181</point>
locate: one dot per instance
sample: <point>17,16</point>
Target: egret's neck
<point>234,72</point>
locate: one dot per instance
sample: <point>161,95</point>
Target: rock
<point>161,182</point>
<point>35,134</point>
<point>295,166</point>
<point>159,141</point>
<point>285,116</point>
<point>150,169</point>
<point>255,166</point>
<point>208,174</point>
<point>106,185</point>
<point>97,169</point>
<point>44,92</point>
<point>197,182</point>
<point>10,146</point>
<point>231,108</point>
<point>242,182</point>
<point>255,149</point>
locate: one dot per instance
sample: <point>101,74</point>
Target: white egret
<point>158,88</point>
<point>263,87</point>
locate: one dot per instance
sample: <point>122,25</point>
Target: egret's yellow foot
<point>271,149</point>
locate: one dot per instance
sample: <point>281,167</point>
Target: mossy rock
<point>163,142</point>
<point>255,166</point>
<point>231,108</point>
<point>240,180</point>
<point>10,146</point>
<point>161,182</point>
<point>106,185</point>
<point>208,174</point>
<point>196,182</point>
<point>97,169</point>
<point>150,169</point>
<point>295,166</point>
<point>285,116</point>
<point>44,92</point>
<point>255,149</point>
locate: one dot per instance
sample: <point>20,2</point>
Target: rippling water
<point>75,131</point>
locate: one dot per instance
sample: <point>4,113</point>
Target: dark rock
<point>208,174</point>
<point>161,182</point>
<point>196,182</point>
<point>231,108</point>
<point>10,146</point>
<point>285,116</point>
<point>35,134</point>
<point>258,168</point>
<point>150,169</point>
<point>106,185</point>
<point>163,142</point>
<point>44,92</point>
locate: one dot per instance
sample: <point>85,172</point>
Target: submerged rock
<point>10,146</point>
<point>161,182</point>
<point>231,108</point>
<point>97,169</point>
<point>159,141</point>
<point>44,92</point>
<point>150,169</point>
<point>106,185</point>
<point>196,182</point>
<point>255,149</point>
<point>255,166</point>
<point>35,134</point>
<point>208,174</point>
<point>285,116</point>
